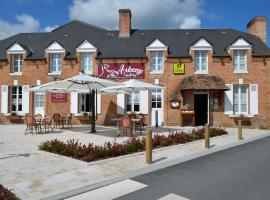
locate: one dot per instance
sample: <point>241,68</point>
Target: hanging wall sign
<point>179,68</point>
<point>59,97</point>
<point>121,71</point>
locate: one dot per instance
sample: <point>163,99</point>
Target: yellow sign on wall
<point>179,68</point>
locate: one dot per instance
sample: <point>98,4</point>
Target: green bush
<point>91,152</point>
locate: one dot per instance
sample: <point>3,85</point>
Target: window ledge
<point>15,74</point>
<point>241,115</point>
<point>201,72</point>
<point>156,72</point>
<point>240,72</point>
<point>86,73</point>
<point>54,73</point>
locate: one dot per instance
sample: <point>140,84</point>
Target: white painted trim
<point>157,45</point>
<point>86,46</point>
<point>201,44</point>
<point>16,74</point>
<point>240,71</point>
<point>55,47</point>
<point>240,44</point>
<point>16,48</point>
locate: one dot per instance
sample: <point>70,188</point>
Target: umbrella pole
<point>93,117</point>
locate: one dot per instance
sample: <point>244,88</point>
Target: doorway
<point>157,107</point>
<point>201,108</point>
<point>39,103</point>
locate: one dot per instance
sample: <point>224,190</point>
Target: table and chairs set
<point>40,124</point>
<point>127,125</point>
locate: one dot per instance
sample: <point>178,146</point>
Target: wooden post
<point>206,136</point>
<point>149,146</point>
<point>240,129</point>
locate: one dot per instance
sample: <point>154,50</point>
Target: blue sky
<point>40,15</point>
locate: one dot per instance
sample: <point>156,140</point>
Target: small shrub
<point>85,114</point>
<point>72,148</point>
<point>6,194</point>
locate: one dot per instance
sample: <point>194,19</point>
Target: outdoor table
<point>117,124</point>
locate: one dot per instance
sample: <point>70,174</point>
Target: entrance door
<point>201,109</point>
<point>40,103</point>
<point>157,107</point>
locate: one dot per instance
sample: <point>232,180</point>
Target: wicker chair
<point>30,124</point>
<point>140,124</point>
<point>126,124</point>
<point>48,123</point>
<point>38,123</point>
<point>69,120</point>
<point>57,120</point>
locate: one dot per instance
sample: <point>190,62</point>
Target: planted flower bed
<point>6,194</point>
<point>72,148</point>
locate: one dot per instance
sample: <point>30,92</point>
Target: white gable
<point>55,47</point>
<point>86,47</point>
<point>240,44</point>
<point>201,44</point>
<point>16,48</point>
<point>157,45</point>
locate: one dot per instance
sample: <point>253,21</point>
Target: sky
<point>44,15</point>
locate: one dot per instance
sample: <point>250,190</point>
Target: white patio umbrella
<point>133,86</point>
<point>81,84</point>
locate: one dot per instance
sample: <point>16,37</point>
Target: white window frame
<point>236,65</point>
<point>58,66</point>
<point>154,95</point>
<point>239,91</point>
<point>200,70</point>
<point>89,62</point>
<point>154,66</point>
<point>132,101</point>
<point>39,102</point>
<point>19,62</point>
<point>17,99</point>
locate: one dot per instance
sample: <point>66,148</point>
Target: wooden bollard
<point>240,136</point>
<point>206,136</point>
<point>149,146</point>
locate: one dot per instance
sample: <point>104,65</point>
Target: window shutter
<point>74,102</point>
<point>144,101</point>
<point>228,100</point>
<point>25,99</point>
<point>120,103</point>
<point>253,88</point>
<point>98,103</point>
<point>4,99</point>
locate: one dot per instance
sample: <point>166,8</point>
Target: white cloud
<point>25,23</point>
<point>145,13</point>
<point>191,22</point>
<point>50,28</point>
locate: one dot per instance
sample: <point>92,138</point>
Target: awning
<point>203,82</point>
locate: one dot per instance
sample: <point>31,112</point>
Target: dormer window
<point>240,61</point>
<point>16,63</point>
<point>201,62</point>
<point>55,63</point>
<point>86,62</point>
<point>156,62</point>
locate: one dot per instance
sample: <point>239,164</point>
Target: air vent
<point>187,33</point>
<point>141,33</point>
<point>66,35</point>
<point>223,32</point>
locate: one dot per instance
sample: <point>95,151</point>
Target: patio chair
<point>140,124</point>
<point>30,125</point>
<point>58,121</point>
<point>126,125</point>
<point>69,120</point>
<point>38,123</point>
<point>48,123</point>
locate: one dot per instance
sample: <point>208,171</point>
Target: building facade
<point>209,75</point>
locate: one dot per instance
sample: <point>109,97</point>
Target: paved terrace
<point>34,174</point>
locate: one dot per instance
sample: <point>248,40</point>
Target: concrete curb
<point>153,167</point>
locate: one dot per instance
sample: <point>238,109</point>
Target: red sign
<point>121,71</point>
<point>59,98</point>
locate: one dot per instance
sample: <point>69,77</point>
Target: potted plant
<point>15,118</point>
<point>84,118</point>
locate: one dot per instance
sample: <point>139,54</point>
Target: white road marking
<point>111,191</point>
<point>173,197</point>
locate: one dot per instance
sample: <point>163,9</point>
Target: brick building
<point>217,74</point>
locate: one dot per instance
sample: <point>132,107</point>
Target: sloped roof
<point>110,45</point>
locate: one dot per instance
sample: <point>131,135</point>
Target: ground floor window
<point>156,98</point>
<point>16,99</point>
<point>84,103</point>
<point>133,102</point>
<point>39,99</point>
<point>240,99</point>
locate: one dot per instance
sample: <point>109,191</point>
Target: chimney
<point>124,23</point>
<point>257,27</point>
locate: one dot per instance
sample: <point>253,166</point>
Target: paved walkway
<point>34,174</point>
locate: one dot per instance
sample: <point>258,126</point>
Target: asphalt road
<point>239,173</point>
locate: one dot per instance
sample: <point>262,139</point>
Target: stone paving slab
<point>34,174</point>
